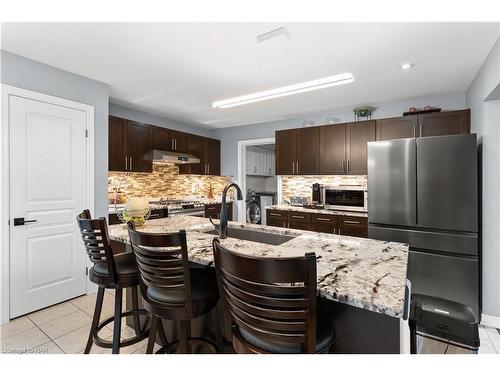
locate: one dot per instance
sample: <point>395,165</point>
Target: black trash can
<point>440,326</point>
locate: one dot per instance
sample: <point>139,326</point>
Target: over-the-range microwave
<point>345,197</point>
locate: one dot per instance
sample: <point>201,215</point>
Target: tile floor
<point>64,328</point>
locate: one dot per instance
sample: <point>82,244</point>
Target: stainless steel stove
<point>176,207</point>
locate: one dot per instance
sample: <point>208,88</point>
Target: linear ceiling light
<point>317,84</point>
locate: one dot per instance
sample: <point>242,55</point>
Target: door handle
<point>21,221</point>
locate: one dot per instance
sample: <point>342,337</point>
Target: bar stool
<point>170,288</point>
<point>272,303</point>
<point>110,272</point>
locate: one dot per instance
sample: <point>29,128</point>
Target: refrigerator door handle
<point>406,311</point>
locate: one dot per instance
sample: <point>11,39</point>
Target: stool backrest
<point>273,299</point>
<point>163,262</point>
<point>96,241</point>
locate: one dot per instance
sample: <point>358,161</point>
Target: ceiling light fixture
<point>298,88</point>
<point>406,66</point>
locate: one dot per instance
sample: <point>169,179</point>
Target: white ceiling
<point>177,69</point>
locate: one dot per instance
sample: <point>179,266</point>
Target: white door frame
<point>8,91</point>
<point>242,181</point>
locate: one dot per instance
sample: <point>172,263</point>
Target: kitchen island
<point>364,280</point>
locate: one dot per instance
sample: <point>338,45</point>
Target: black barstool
<point>273,303</point>
<point>110,272</point>
<point>170,288</point>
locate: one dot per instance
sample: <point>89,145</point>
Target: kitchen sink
<point>255,236</point>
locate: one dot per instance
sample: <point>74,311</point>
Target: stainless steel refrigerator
<point>424,192</point>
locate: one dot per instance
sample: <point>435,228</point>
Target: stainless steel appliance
<point>316,193</point>
<point>176,207</point>
<point>345,197</point>
<point>424,192</point>
<point>257,205</point>
<point>298,201</point>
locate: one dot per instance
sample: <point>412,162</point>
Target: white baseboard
<point>490,321</point>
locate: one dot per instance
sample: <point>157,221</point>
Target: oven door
<point>345,199</point>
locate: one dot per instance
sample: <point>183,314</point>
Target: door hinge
<point>86,133</point>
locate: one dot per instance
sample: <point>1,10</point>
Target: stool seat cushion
<point>203,288</point>
<point>325,335</point>
<point>125,265</point>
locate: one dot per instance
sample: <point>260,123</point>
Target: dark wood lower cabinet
<point>353,226</point>
<point>213,210</point>
<point>325,223</point>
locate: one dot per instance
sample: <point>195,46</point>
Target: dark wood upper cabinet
<point>129,145</point>
<point>117,141</point>
<point>212,156</point>
<point>169,140</point>
<point>358,134</point>
<point>307,161</point>
<point>139,150</point>
<point>332,148</point>
<point>205,149</point>
<point>426,125</point>
<point>444,123</point>
<point>162,139</point>
<point>180,141</point>
<point>286,151</point>
<point>396,128</point>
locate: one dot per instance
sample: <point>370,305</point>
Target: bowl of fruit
<point>136,210</point>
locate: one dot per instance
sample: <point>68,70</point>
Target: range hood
<point>160,156</point>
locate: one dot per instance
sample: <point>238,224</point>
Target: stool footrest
<point>123,343</point>
<point>172,347</point>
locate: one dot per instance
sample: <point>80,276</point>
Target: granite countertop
<point>287,207</point>
<point>364,273</point>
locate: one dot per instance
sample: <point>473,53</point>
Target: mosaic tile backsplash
<point>301,185</point>
<point>165,181</point>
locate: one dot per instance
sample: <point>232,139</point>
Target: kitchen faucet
<point>222,226</point>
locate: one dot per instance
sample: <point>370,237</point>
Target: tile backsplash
<point>301,185</point>
<point>165,181</point>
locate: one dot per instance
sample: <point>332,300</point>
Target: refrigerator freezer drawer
<point>466,244</point>
<point>449,277</point>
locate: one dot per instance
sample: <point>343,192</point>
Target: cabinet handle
<point>348,162</point>
<point>126,164</point>
<point>323,219</point>
<point>351,222</point>
<point>297,217</point>
<point>344,169</point>
<point>271,214</point>
<point>208,166</point>
<point>297,167</point>
<point>415,131</point>
<point>131,163</point>
<point>175,144</point>
<point>420,129</point>
<point>293,167</point>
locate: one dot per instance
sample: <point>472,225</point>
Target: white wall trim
<point>242,181</point>
<point>490,321</point>
<point>8,91</point>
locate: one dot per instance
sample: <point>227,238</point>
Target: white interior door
<point>47,185</point>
